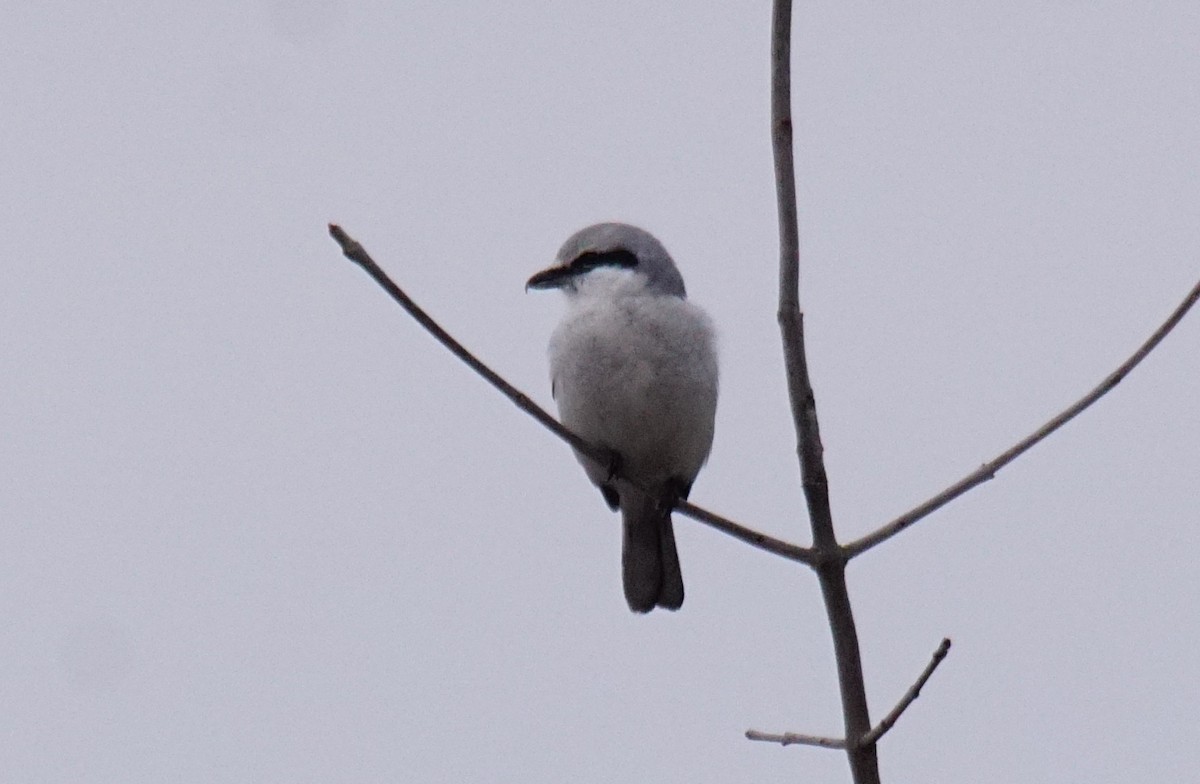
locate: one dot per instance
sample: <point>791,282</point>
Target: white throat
<point>609,283</point>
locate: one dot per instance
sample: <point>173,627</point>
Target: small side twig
<point>870,738</point>
<point>354,251</point>
<point>796,739</point>
<point>988,470</point>
<point>914,691</point>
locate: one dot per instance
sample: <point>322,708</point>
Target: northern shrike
<point>633,368</point>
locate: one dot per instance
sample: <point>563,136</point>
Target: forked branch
<point>988,470</point>
<point>877,732</point>
<point>354,251</point>
<point>911,695</point>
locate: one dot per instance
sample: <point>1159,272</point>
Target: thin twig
<point>354,251</point>
<point>988,470</point>
<point>872,737</point>
<point>793,552</point>
<point>889,721</point>
<point>796,739</point>
<point>831,566</point>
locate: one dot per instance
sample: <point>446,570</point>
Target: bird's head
<point>616,251</point>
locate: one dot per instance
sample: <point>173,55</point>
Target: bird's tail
<point>649,560</point>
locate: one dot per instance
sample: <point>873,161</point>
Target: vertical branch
<point>830,560</point>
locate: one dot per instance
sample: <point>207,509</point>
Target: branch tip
<point>796,739</point>
<point>914,691</point>
<point>988,470</point>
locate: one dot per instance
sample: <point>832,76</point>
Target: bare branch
<point>796,739</point>
<point>358,254</point>
<point>831,564</point>
<point>354,251</point>
<point>889,721</point>
<point>793,552</point>
<point>872,737</point>
<point>988,470</point>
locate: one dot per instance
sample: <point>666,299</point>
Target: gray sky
<point>255,526</point>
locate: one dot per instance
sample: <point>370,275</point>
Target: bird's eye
<point>613,258</point>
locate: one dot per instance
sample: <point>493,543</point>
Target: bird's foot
<point>679,488</point>
<point>614,466</point>
<point>676,490</point>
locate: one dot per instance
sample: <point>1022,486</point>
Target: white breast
<point>638,374</point>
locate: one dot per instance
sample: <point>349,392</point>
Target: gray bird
<point>633,368</point>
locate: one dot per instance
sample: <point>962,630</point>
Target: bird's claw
<point>614,466</point>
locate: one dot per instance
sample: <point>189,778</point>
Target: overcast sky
<point>256,526</point>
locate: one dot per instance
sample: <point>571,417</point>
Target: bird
<point>633,370</point>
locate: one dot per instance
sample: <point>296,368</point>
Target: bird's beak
<point>551,278</point>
